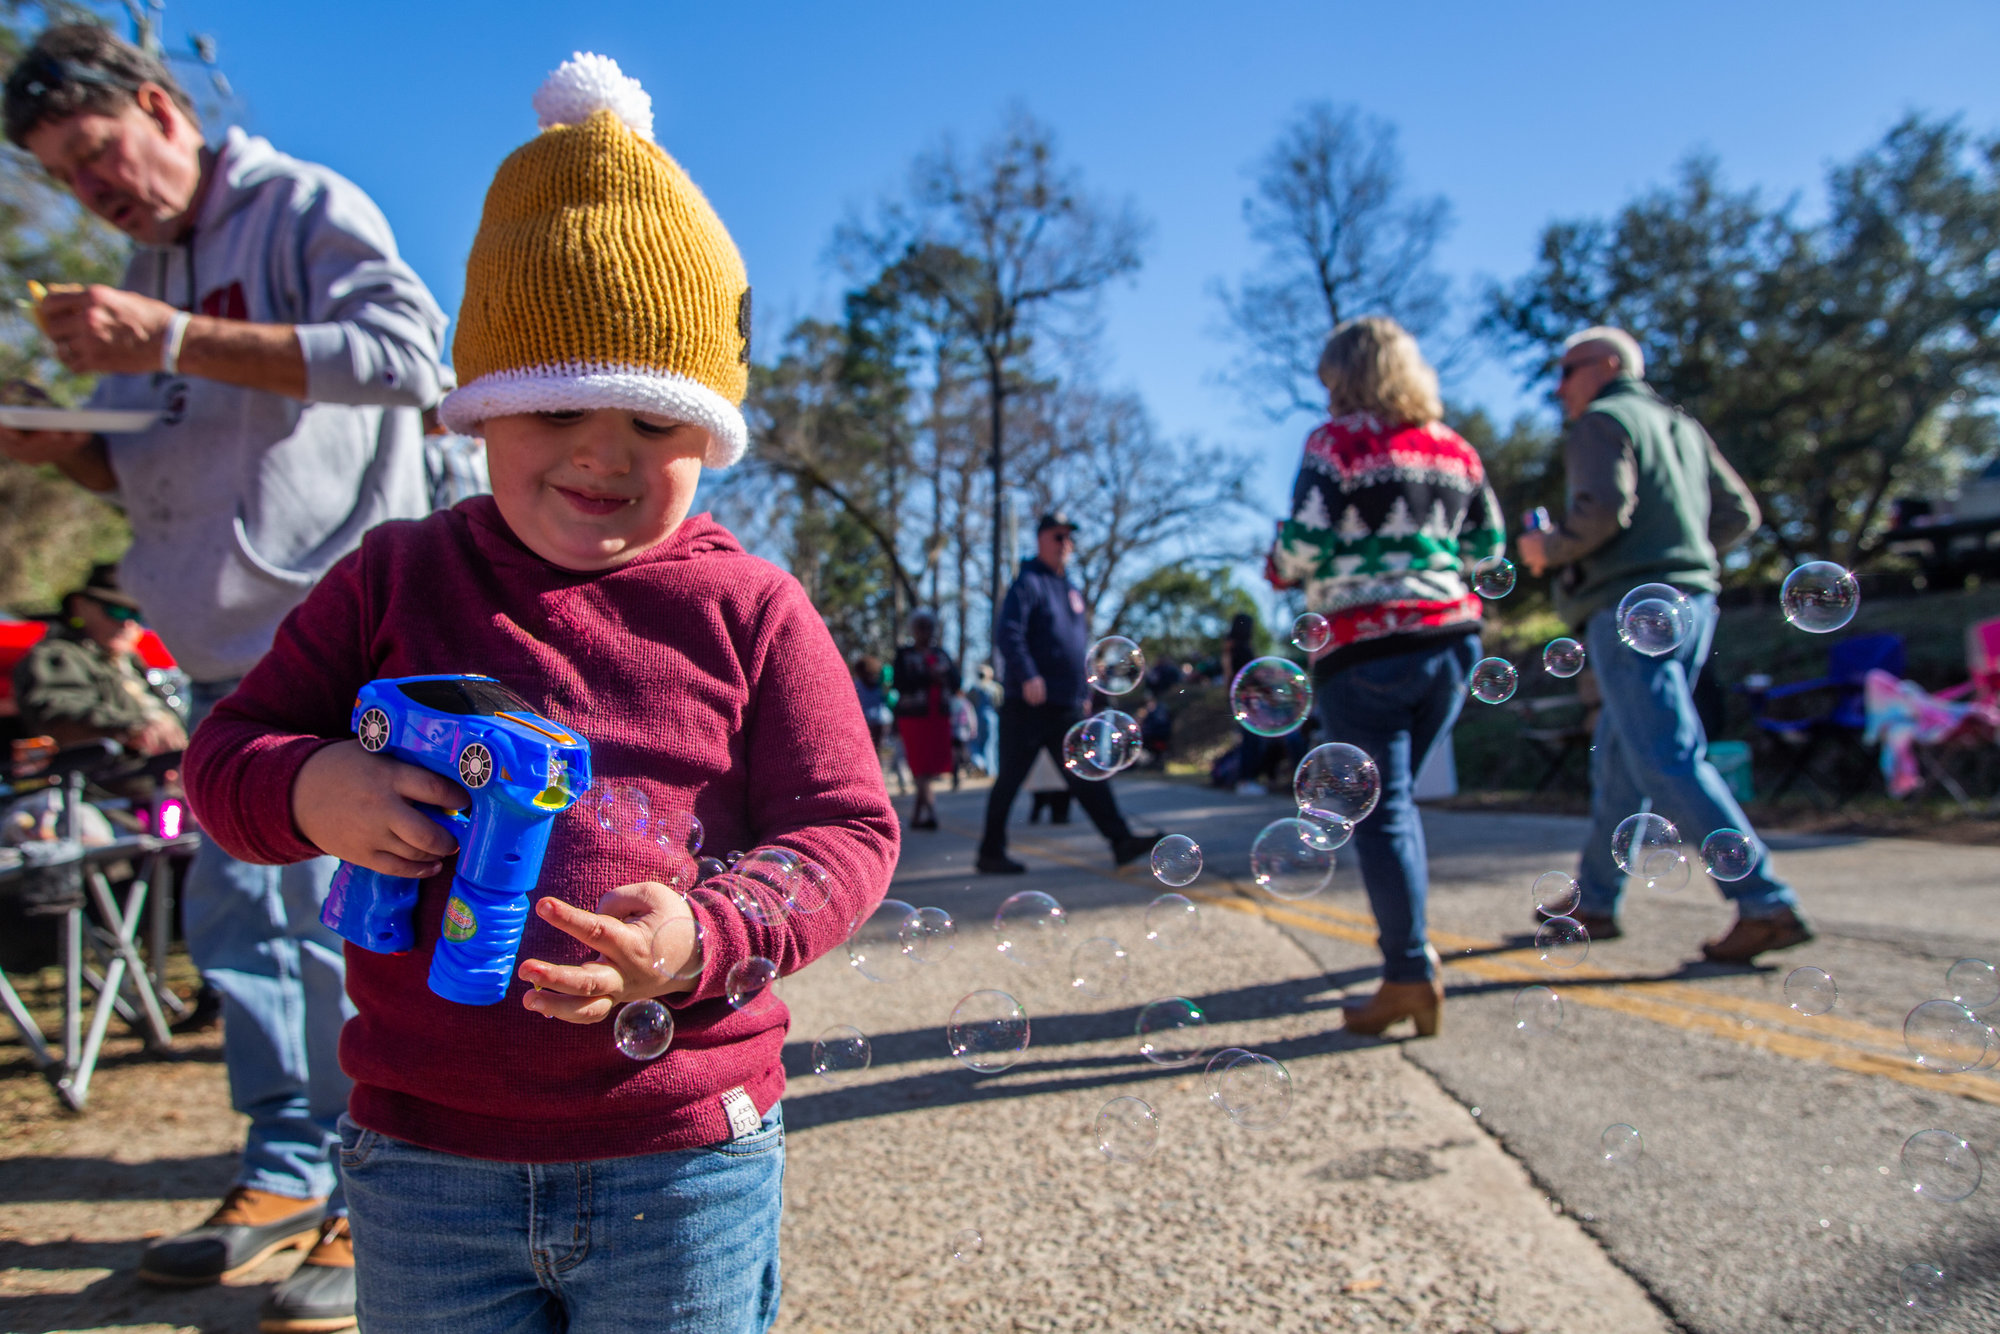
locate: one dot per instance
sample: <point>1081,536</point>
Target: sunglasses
<point>118,613</point>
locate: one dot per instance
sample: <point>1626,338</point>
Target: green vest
<point>1667,540</point>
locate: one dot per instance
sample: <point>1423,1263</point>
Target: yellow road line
<point>1763,1025</point>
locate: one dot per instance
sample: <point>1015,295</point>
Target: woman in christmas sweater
<point>1390,511</point>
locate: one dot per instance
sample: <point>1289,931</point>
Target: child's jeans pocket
<point>356,1143</point>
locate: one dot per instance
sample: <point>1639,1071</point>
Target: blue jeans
<point>1397,709</point>
<point>255,934</point>
<point>683,1241</point>
<point>1650,753</point>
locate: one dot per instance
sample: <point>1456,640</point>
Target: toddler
<point>506,1167</point>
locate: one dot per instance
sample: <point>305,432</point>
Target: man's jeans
<point>1024,729</point>
<point>683,1241</point>
<point>255,934</point>
<point>1650,753</point>
<point>1398,709</point>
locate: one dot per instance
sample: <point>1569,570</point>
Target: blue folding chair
<point>1838,724</point>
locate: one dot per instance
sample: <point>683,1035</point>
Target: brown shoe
<point>248,1227</point>
<point>1420,1001</point>
<point>319,1296</point>
<point>1752,936</point>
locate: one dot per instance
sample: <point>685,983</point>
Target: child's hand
<point>627,932</point>
<point>356,806</point>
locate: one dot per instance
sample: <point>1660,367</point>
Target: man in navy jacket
<point>1044,635</point>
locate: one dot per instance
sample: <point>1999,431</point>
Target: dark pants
<point>1024,729</point>
<point>1397,709</point>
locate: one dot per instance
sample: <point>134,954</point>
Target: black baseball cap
<point>1054,519</point>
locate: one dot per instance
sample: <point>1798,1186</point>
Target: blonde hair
<point>1372,365</point>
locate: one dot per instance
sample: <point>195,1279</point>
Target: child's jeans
<point>683,1241</point>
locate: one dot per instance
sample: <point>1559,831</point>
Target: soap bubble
<point>1730,854</point>
<point>678,829</point>
<point>875,946</point>
<point>1328,834</point>
<point>1031,928</point>
<point>1820,597</point>
<point>707,868</point>
<point>1493,680</point>
<point>1922,1286</point>
<point>1620,1145</point>
<point>988,1031</point>
<point>1944,1037</point>
<point>1337,780</point>
<point>1938,1165</point>
<point>1638,836</point>
<point>1255,1090</point>
<point>1563,657</point>
<point>1212,1072</point>
<point>1311,631</point>
<point>1287,861</point>
<point>841,1052</point>
<point>811,888</point>
<point>928,935</point>
<point>1114,665</point>
<point>644,1030</point>
<point>1537,1010</point>
<point>1092,749</point>
<point>677,949</point>
<point>1664,869</point>
<point>1655,619</point>
<point>1493,577</point>
<point>1100,967</point>
<point>1127,1130</point>
<point>1562,942</point>
<point>966,1245</point>
<point>1557,894</point>
<point>754,900</point>
<point>747,979</point>
<point>1171,921</point>
<point>1171,1030</point>
<point>1974,983</point>
<point>1176,860</point>
<point>1271,696</point>
<point>1810,990</point>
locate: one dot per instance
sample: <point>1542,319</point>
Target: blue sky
<point>790,115</point>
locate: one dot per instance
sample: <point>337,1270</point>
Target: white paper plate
<point>75,419</point>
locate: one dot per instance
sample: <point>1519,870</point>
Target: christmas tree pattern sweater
<point>1385,525</point>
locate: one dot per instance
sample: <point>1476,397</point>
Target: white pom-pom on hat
<point>588,82</point>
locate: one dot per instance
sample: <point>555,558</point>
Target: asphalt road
<point>1769,1194</point>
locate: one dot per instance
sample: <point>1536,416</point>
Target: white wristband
<point>170,355</point>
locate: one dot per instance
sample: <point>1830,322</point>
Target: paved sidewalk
<point>1378,1203</point>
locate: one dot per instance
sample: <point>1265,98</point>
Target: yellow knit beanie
<point>600,277</point>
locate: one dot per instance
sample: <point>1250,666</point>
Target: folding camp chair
<point>1839,723</point>
<point>98,950</point>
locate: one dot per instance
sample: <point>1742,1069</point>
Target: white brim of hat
<point>578,388</point>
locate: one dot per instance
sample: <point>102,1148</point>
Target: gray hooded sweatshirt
<point>240,500</point>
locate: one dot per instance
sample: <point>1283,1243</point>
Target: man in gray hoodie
<point>288,352</point>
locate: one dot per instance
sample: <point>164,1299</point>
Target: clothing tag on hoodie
<point>743,1119</point>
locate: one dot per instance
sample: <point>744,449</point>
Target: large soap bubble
<point>1493,680</point>
<point>1290,859</point>
<point>1655,619</point>
<point>1114,665</point>
<point>1031,928</point>
<point>1171,1031</point>
<point>1337,781</point>
<point>1820,597</point>
<point>988,1031</point>
<point>1176,860</point>
<point>1311,631</point>
<point>1271,696</point>
<point>643,1030</point>
<point>876,946</point>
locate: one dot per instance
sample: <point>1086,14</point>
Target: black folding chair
<point>96,931</point>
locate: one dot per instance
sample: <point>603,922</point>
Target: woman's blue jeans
<point>1650,752</point>
<point>682,1242</point>
<point>1398,709</point>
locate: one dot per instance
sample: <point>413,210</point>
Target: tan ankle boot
<point>1421,1001</point>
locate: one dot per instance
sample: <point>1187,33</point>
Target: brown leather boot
<point>319,1296</point>
<point>247,1227</point>
<point>1421,1001</point>
<point>1752,936</point>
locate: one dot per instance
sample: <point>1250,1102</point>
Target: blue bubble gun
<point>522,771</point>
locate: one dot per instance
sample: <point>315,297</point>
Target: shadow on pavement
<point>50,1179</point>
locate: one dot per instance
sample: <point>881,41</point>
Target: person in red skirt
<point>925,679</point>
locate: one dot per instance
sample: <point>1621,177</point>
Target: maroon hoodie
<point>699,674</point>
